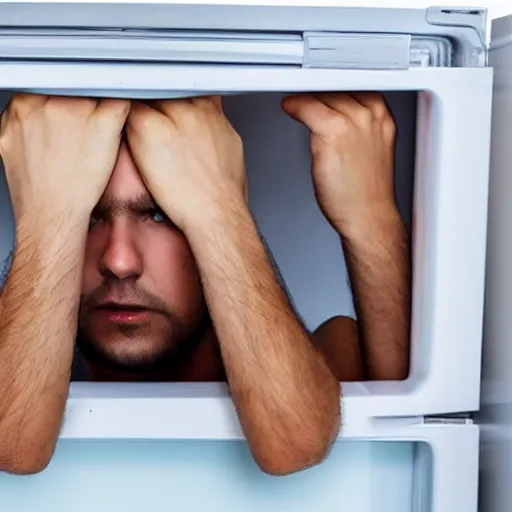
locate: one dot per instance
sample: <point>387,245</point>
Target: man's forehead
<point>125,174</point>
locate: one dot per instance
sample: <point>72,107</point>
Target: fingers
<point>4,120</point>
<point>114,109</point>
<point>108,109</point>
<point>208,103</point>
<point>363,109</point>
<point>177,108</point>
<point>318,111</point>
<point>26,101</point>
<point>374,102</point>
<point>142,116</point>
<point>171,108</point>
<point>22,104</point>
<point>342,103</point>
<point>350,103</point>
<point>217,101</point>
<point>109,120</point>
<point>307,109</point>
<point>19,106</point>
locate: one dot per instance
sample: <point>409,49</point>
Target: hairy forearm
<point>286,396</point>
<point>38,320</point>
<point>377,254</point>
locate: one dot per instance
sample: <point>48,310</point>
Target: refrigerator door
<point>450,120</point>
<point>423,468</point>
<point>495,418</point>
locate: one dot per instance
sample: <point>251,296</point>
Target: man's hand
<point>190,157</point>
<point>59,152</point>
<point>352,145</point>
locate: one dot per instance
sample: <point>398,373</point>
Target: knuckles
<point>373,118</point>
<point>389,129</point>
<point>335,126</point>
<point>24,107</point>
<point>364,117</point>
<point>22,104</point>
<point>141,122</point>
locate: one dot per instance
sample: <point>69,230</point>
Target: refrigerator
<point>408,446</point>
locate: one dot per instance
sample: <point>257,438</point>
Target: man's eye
<point>157,215</point>
<point>92,221</point>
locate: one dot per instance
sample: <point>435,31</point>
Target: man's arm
<point>287,398</point>
<point>376,347</point>
<point>377,255</point>
<point>338,340</point>
<point>58,155</point>
<point>38,318</point>
<point>352,142</point>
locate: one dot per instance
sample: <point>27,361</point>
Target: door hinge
<point>475,18</point>
<point>472,48</point>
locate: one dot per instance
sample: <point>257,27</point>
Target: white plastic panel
<point>449,233</point>
<point>428,468</point>
<point>495,417</point>
<point>463,29</point>
<point>139,45</point>
<point>308,49</point>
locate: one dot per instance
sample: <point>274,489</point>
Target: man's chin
<point>152,348</point>
<point>124,365</point>
<point>125,355</point>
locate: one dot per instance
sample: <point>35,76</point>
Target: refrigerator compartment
<point>450,115</point>
<point>423,468</point>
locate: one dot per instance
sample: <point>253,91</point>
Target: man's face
<point>141,294</point>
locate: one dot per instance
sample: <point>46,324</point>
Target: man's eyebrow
<point>115,206</point>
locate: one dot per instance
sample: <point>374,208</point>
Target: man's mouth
<point>122,313</point>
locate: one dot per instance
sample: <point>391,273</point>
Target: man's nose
<point>121,257</point>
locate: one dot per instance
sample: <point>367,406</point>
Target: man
<point>134,237</point>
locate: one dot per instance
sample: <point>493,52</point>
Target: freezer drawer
<point>428,468</point>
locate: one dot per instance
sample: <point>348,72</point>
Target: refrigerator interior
<point>305,247</point>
